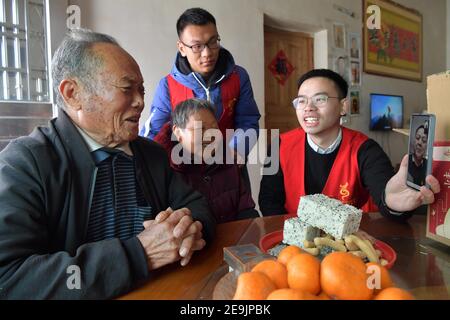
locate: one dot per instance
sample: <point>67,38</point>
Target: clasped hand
<point>172,236</point>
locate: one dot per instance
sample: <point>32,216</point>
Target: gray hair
<point>185,109</point>
<point>75,59</point>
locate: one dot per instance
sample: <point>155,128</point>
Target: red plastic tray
<point>270,240</point>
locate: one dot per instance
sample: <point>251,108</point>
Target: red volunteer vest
<point>344,181</point>
<point>229,89</point>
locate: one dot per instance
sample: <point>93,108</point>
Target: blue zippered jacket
<point>246,111</point>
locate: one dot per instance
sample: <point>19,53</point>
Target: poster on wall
<point>281,67</point>
<point>394,50</point>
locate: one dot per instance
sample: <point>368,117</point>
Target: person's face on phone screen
<point>420,144</point>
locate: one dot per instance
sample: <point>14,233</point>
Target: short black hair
<point>338,80</point>
<point>194,16</point>
<point>185,109</point>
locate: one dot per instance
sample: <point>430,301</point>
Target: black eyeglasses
<point>197,48</point>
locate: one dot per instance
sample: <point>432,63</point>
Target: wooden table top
<point>422,266</point>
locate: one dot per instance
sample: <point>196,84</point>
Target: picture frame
<point>341,65</point>
<point>396,49</point>
<point>354,44</point>
<point>339,35</point>
<point>355,73</point>
<point>354,102</point>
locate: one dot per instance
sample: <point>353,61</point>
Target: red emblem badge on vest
<point>345,194</point>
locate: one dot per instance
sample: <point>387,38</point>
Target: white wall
<point>321,49</point>
<point>146,28</point>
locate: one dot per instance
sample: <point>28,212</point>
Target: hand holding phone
<point>420,151</point>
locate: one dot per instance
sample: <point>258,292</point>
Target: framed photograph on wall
<point>355,73</point>
<point>354,46</point>
<point>394,50</point>
<point>354,102</point>
<point>341,65</point>
<point>339,35</point>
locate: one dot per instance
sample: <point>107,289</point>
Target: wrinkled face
<point>111,113</point>
<point>197,134</point>
<point>420,144</point>
<point>318,121</point>
<point>205,61</point>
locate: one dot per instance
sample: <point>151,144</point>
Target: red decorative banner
<point>281,68</point>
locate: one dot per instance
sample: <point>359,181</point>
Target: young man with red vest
<point>324,157</point>
<point>205,70</point>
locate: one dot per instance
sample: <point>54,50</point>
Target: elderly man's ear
<point>71,92</point>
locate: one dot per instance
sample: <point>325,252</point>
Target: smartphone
<point>420,150</point>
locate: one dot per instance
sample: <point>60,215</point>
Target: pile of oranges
<point>297,275</point>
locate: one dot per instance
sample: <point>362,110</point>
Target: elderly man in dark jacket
<point>87,208</point>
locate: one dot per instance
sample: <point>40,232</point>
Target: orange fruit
<point>304,273</point>
<point>290,294</point>
<point>287,253</point>
<point>253,286</point>
<point>323,296</point>
<point>343,276</point>
<point>393,293</point>
<point>385,281</point>
<point>276,271</point>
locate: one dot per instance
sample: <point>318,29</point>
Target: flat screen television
<point>386,112</point>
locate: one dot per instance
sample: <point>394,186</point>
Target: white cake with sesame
<point>295,232</point>
<point>329,215</point>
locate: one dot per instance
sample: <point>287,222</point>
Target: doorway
<point>287,56</point>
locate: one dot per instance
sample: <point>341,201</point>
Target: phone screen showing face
<point>420,153</point>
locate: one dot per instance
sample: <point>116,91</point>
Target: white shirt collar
<point>328,150</point>
<point>94,145</point>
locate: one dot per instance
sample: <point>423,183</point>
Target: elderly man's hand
<point>160,246</point>
<point>401,198</point>
<point>185,230</point>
